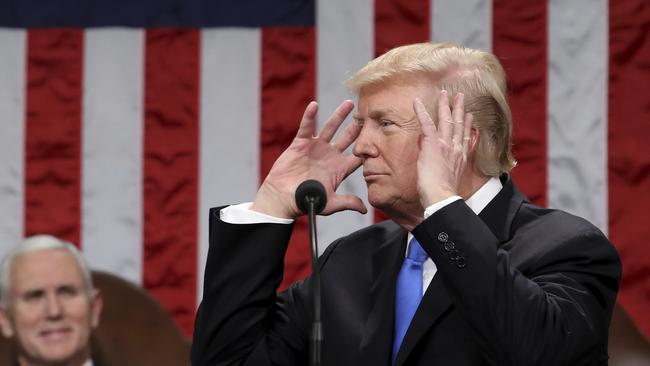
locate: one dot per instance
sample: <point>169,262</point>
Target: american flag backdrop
<point>122,122</point>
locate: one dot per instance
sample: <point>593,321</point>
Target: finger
<point>458,116</point>
<point>467,135</point>
<point>345,202</point>
<point>347,137</point>
<point>352,163</point>
<point>307,127</point>
<point>335,119</point>
<point>426,122</point>
<point>445,120</point>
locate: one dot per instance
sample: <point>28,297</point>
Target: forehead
<point>45,268</point>
<point>396,95</point>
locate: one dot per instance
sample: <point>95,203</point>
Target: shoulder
<point>552,223</point>
<point>557,237</point>
<point>364,241</point>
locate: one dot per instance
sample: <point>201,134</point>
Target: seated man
<point>48,304</point>
<point>466,272</point>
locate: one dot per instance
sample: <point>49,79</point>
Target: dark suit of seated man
<point>491,279</point>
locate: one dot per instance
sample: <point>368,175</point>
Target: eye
<point>386,123</point>
<point>68,291</point>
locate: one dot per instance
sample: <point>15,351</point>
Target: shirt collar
<point>484,195</point>
<point>479,200</point>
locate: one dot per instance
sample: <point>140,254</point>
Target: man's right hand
<point>312,156</point>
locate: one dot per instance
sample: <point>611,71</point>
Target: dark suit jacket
<point>516,285</point>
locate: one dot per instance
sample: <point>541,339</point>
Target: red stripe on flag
<point>400,22</point>
<point>629,152</point>
<point>520,42</point>
<point>288,85</point>
<point>53,133</point>
<point>397,23</point>
<point>171,155</point>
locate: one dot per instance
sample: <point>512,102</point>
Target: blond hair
<point>476,73</point>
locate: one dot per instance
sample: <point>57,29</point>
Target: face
<point>389,143</point>
<point>50,314</point>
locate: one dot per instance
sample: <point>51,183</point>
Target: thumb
<point>345,202</point>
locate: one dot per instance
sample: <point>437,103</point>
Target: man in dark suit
<point>466,272</point>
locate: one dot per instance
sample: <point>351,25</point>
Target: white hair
<point>39,243</point>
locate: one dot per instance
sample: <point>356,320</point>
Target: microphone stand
<point>311,198</point>
<point>317,326</point>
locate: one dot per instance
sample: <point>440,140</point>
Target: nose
<point>365,146</point>
<point>53,305</point>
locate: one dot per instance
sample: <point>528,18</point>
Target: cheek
<point>79,312</point>
<point>27,318</point>
<point>26,325</point>
<point>404,156</point>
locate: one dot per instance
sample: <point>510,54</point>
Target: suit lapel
<point>434,305</point>
<point>375,347</point>
<point>499,214</point>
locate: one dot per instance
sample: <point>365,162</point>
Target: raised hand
<point>312,156</point>
<point>443,150</point>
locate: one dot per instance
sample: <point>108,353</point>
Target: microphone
<point>311,191</point>
<point>311,198</point>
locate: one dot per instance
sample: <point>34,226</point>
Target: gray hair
<point>38,243</point>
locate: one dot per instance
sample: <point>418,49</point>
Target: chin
<point>377,201</point>
<point>63,354</point>
<point>373,196</point>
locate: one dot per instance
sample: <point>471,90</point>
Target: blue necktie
<point>408,292</point>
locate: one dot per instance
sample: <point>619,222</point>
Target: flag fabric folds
<point>123,122</point>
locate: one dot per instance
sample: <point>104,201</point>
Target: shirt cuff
<point>242,214</point>
<point>438,205</point>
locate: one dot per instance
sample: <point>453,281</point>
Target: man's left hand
<point>443,150</point>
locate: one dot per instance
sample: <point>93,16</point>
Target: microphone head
<point>311,190</point>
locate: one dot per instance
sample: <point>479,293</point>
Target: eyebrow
<point>33,293</point>
<point>40,291</point>
<point>376,114</point>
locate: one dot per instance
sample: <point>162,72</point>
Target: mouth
<point>372,175</point>
<point>55,334</point>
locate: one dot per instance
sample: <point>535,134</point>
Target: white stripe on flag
<point>230,125</point>
<point>345,44</point>
<point>112,151</point>
<point>468,22</point>
<point>12,136</point>
<point>577,108</point>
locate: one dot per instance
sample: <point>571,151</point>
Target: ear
<point>5,323</point>
<point>96,308</point>
<point>473,143</point>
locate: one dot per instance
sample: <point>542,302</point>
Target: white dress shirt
<point>242,214</point>
<point>476,202</point>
